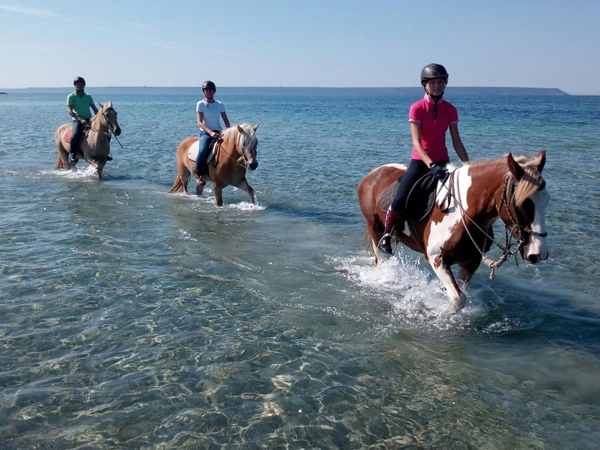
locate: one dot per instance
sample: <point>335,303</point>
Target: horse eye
<point>526,211</point>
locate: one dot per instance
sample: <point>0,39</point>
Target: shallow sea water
<point>135,318</point>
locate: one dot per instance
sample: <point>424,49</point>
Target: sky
<point>298,43</point>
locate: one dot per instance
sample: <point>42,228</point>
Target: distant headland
<point>324,91</point>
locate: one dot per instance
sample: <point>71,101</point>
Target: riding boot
<point>199,173</point>
<point>385,243</point>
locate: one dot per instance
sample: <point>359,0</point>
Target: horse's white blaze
<point>441,232</point>
<point>538,245</point>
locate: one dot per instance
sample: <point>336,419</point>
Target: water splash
<point>415,296</point>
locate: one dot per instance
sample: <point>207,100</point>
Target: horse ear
<point>109,104</point>
<point>255,127</point>
<point>542,157</point>
<point>101,105</point>
<point>514,167</point>
<point>240,129</point>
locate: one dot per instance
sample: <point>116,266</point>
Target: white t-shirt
<point>212,113</point>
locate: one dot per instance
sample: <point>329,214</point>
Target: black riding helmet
<point>78,80</point>
<point>431,71</point>
<point>209,85</point>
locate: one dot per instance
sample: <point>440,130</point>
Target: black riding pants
<point>415,171</point>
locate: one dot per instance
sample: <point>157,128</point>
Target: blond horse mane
<point>530,181</point>
<point>232,136</point>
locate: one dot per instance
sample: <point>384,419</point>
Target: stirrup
<point>385,244</point>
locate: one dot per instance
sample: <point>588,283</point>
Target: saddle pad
<point>67,137</point>
<point>195,149</point>
<point>421,199</point>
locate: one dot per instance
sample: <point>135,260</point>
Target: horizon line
<point>284,87</point>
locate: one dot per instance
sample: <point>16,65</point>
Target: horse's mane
<point>233,135</point>
<point>530,181</point>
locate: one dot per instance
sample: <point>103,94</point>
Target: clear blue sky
<point>526,43</point>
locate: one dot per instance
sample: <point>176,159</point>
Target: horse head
<point>525,198</point>
<point>109,117</point>
<point>246,143</point>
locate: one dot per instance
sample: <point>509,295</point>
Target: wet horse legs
<point>447,278</point>
<point>246,187</point>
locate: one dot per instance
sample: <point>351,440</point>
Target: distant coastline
<point>278,91</point>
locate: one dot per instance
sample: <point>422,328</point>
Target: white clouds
<point>30,11</point>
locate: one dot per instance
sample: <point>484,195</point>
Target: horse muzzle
<point>535,255</point>
<point>253,165</point>
<point>117,131</point>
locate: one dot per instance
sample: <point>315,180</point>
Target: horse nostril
<point>533,259</point>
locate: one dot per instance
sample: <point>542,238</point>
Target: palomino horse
<point>235,152</point>
<point>96,142</point>
<point>473,198</point>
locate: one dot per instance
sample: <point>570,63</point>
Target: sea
<point>131,317</point>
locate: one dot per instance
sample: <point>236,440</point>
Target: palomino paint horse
<point>480,193</point>
<point>236,152</point>
<point>95,144</point>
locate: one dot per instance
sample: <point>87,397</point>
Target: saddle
<point>195,149</point>
<point>420,201</point>
<point>67,136</point>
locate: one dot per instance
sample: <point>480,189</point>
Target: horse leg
<point>374,232</point>
<point>445,275</point>
<point>200,188</point>
<point>218,194</point>
<point>246,187</point>
<point>466,271</point>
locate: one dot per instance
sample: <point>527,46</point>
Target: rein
<point>219,147</point>
<point>108,125</point>
<point>506,249</point>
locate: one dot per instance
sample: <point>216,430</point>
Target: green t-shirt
<point>81,104</point>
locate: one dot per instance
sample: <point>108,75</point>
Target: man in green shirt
<point>78,106</point>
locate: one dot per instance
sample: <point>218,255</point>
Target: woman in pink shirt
<point>429,120</point>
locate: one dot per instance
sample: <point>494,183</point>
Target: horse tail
<point>59,161</point>
<point>178,185</point>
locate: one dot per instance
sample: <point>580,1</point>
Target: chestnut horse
<point>472,199</point>
<point>96,141</point>
<point>235,152</point>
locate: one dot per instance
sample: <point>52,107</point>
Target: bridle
<point>111,128</point>
<point>246,160</point>
<point>517,228</point>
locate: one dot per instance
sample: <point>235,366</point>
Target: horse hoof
<point>459,304</point>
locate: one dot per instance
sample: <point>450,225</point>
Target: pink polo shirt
<point>433,132</point>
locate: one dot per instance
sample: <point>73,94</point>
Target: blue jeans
<point>78,129</point>
<point>203,151</point>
